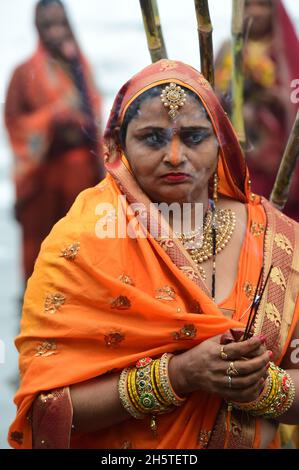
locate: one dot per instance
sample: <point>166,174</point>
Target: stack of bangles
<point>276,397</point>
<point>146,389</point>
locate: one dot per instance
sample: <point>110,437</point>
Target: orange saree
<point>96,305</point>
<point>49,172</point>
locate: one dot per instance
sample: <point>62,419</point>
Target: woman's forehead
<point>153,113</point>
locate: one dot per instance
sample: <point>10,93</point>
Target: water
<point>111,35</point>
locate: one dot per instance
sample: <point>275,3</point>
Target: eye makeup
<point>160,137</point>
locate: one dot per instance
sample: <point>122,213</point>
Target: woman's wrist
<point>177,375</point>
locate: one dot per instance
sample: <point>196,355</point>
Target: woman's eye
<point>195,138</point>
<point>155,139</point>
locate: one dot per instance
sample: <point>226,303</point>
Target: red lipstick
<point>176,177</point>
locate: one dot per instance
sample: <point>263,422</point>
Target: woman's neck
<point>189,216</point>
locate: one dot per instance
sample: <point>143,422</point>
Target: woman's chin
<point>175,195</point>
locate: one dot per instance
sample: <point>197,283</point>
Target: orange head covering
<point>232,170</point>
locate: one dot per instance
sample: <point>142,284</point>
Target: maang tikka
<point>173,96</point>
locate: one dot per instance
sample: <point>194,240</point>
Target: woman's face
<point>54,29</point>
<point>172,160</point>
<point>260,13</point>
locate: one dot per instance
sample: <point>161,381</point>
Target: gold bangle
<point>163,397</point>
<point>172,397</point>
<point>124,395</point>
<point>285,396</point>
<point>276,398</point>
<point>263,400</point>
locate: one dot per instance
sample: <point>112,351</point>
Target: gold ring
<point>223,355</point>
<point>230,380</point>
<point>231,370</point>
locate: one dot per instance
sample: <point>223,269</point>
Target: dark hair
<point>133,109</point>
<point>45,3</point>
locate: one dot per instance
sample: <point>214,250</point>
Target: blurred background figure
<point>52,114</point>
<point>271,62</point>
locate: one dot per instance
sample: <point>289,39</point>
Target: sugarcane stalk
<point>159,27</point>
<point>205,36</point>
<point>279,195</point>
<point>237,69</point>
<point>153,32</point>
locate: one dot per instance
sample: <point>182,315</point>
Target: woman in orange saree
<point>97,305</point>
<point>52,114</point>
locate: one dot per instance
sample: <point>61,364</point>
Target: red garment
<point>50,122</point>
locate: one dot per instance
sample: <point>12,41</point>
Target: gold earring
<point>215,188</point>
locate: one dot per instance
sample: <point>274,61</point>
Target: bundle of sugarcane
<point>153,30</point>
<point>237,70</point>
<point>205,31</point>
<point>279,195</point>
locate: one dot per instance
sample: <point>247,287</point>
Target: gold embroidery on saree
<point>190,272</point>
<point>166,244</point>
<point>53,302</point>
<point>44,397</point>
<point>168,65</point>
<point>71,251</point>
<point>113,339</point>
<point>284,243</point>
<point>235,427</point>
<point>203,439</point>
<point>165,293</point>
<point>249,289</point>
<point>257,229</point>
<point>121,303</point>
<point>278,278</point>
<point>273,314</point>
<point>187,332</point>
<point>125,279</point>
<point>204,83</point>
<point>127,445</point>
<point>46,348</point>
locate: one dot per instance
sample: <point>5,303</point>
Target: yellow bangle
<point>133,391</point>
<point>163,404</point>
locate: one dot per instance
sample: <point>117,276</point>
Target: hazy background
<point>111,35</point>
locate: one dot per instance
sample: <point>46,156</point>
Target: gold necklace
<point>200,244</point>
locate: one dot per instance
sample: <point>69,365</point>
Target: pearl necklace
<point>218,227</point>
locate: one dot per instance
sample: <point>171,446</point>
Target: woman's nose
<point>175,154</point>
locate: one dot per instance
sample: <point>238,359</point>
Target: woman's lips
<point>176,177</point>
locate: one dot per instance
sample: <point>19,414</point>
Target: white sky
<point>111,34</point>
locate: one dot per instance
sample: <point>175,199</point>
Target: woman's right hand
<point>202,368</point>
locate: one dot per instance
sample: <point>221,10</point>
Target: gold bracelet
<point>172,397</point>
<point>276,398</point>
<point>124,395</point>
<point>160,391</point>
<point>284,398</point>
